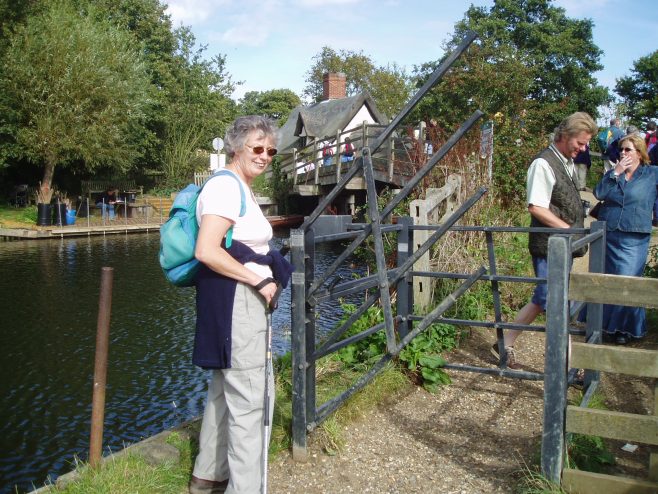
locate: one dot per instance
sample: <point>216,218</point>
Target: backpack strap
<point>243,202</point>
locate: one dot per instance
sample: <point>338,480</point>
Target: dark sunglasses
<point>628,150</point>
<point>260,149</point>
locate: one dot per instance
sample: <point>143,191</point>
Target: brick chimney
<point>333,85</point>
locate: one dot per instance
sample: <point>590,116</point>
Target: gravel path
<point>474,436</point>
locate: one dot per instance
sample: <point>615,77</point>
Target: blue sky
<point>270,44</point>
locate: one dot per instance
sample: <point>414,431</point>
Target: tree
<point>276,103</point>
<point>191,92</point>
<point>640,90</point>
<point>389,86</point>
<point>531,66</point>
<point>197,109</point>
<point>72,89</point>
<point>559,50</point>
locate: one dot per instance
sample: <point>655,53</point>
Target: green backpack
<point>178,234</point>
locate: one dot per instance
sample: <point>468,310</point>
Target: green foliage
<point>277,187</point>
<point>73,90</point>
<point>535,483</point>
<point>389,85</point>
<point>10,215</point>
<point>514,148</point>
<point>558,51</point>
<point>421,355</point>
<point>588,453</point>
<point>531,67</point>
<point>639,91</point>
<point>276,104</point>
<point>651,268</point>
<point>198,109</point>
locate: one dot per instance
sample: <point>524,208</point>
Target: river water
<point>48,314</point>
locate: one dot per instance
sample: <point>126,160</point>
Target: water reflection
<point>48,311</point>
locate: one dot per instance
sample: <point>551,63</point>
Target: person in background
<point>107,201</point>
<point>327,153</point>
<point>628,192</point>
<point>348,151</point>
<point>615,133</point>
<point>613,148</point>
<point>553,201</point>
<point>583,162</point>
<point>234,286</point>
<point>650,138</point>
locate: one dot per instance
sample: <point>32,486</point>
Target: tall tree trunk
<point>45,189</point>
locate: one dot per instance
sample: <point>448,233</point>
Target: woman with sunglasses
<point>235,284</point>
<point>628,192</point>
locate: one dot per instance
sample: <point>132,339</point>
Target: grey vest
<point>565,204</point>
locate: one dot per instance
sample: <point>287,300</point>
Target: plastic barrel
<point>44,215</point>
<point>70,217</point>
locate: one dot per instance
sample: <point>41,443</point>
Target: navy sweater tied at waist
<point>215,294</point>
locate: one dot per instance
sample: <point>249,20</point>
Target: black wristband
<point>265,282</point>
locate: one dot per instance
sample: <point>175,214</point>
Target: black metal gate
<point>308,290</point>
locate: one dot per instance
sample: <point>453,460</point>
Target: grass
<point>130,472</point>
<point>11,217</point>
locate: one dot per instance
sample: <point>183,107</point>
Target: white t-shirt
<point>541,179</point>
<point>221,197</point>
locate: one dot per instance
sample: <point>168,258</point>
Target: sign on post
<point>486,145</point>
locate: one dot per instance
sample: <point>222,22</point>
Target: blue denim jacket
<point>628,205</point>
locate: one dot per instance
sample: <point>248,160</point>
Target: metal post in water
<point>100,366</point>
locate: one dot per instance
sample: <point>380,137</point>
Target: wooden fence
<point>437,206</point>
<point>635,292</point>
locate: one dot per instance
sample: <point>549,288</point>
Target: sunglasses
<point>628,150</point>
<point>259,150</point>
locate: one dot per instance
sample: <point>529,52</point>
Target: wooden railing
<point>398,156</point>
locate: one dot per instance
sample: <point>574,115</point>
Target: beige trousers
<point>231,437</point>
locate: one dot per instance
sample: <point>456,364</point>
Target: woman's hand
<point>623,164</point>
<point>268,291</point>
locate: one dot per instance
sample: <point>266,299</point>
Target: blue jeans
<point>105,208</point>
<point>540,266</point>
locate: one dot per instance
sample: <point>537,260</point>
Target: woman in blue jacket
<point>628,192</point>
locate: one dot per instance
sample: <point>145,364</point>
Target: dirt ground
<point>476,435</point>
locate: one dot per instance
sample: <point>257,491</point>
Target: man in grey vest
<point>553,201</point>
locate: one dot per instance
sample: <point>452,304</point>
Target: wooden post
<point>653,456</point>
<point>294,166</point>
<point>316,166</point>
<point>391,155</point>
<point>100,366</point>
<point>555,366</point>
<point>298,345</point>
<point>405,301</point>
<point>337,155</point>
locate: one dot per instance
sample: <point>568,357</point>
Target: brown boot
<point>201,486</point>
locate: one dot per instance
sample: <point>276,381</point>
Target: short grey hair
<point>574,124</point>
<point>238,132</point>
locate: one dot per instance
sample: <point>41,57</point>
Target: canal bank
<point>48,315</point>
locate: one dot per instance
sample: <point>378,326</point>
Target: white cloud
<point>580,9</point>
<point>193,11</point>
<point>322,3</point>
